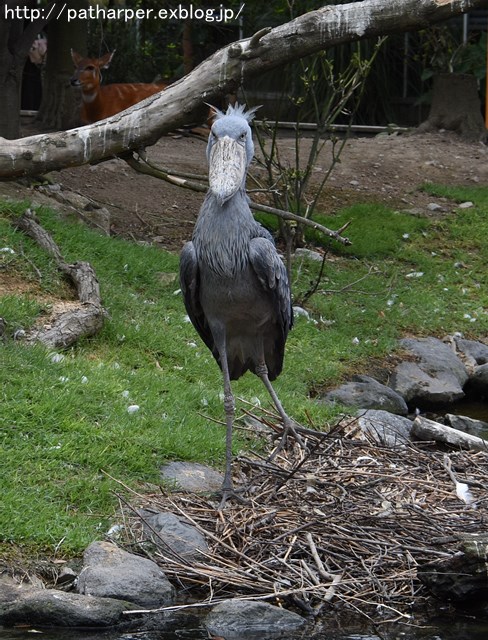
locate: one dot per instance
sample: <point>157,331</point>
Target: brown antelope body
<point>102,101</point>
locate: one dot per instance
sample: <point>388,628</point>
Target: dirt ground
<point>386,168</point>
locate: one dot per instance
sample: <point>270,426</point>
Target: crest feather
<point>236,110</point>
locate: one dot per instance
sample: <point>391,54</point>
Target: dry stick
<point>258,596</point>
<point>287,215</point>
<point>216,539</point>
<point>320,566</point>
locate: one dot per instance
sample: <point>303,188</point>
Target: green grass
<point>366,222</point>
<point>65,431</point>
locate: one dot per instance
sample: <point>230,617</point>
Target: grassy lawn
<point>65,427</point>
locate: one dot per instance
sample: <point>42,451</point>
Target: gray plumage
<point>234,284</point>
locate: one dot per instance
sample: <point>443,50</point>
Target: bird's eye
<point>242,136</point>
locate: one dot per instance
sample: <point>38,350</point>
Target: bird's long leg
<point>229,408</point>
<point>262,372</point>
<point>228,490</point>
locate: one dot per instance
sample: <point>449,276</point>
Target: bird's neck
<point>222,234</point>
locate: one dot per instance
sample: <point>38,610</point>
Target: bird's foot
<point>288,429</point>
<point>230,493</point>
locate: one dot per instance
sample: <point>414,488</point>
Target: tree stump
<point>456,107</point>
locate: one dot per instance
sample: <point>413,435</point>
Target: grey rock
<point>191,476</point>
<point>462,576</point>
<point>174,535</point>
<point>418,387</point>
<point>301,252</point>
<point>386,428</point>
<point>110,572</point>
<point>366,393</point>
<point>478,381</point>
<point>468,425</point>
<point>437,378</point>
<point>476,352</point>
<point>435,356</point>
<point>53,608</point>
<point>11,591</point>
<point>235,619</point>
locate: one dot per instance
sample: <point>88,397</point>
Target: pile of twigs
<point>344,525</point>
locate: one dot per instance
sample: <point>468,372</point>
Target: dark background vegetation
<point>397,90</point>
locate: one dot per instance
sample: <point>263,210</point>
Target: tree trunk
<point>60,107</point>
<point>16,38</point>
<point>144,123</point>
<point>456,106</point>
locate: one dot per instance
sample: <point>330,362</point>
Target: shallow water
<point>462,629</point>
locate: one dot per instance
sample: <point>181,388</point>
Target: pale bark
<point>425,429</point>
<point>220,74</point>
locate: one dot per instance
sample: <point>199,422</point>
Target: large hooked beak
<point>227,168</point>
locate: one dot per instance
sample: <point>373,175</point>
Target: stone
<point>191,476</point>
<point>475,352</point>
<point>111,572</point>
<point>174,536</point>
<point>437,377</point>
<point>463,576</point>
<point>478,382</point>
<point>11,591</point>
<point>315,256</point>
<point>236,619</point>
<point>367,393</point>
<point>386,428</point>
<point>53,608</point>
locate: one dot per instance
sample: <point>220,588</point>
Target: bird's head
<point>230,150</point>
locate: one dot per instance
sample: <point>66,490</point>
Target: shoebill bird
<point>235,285</point>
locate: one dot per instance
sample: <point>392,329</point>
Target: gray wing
<point>190,287</point>
<point>271,273</point>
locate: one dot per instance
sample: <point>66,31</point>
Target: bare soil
<point>386,168</point>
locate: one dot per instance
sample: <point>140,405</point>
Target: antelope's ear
<point>76,57</point>
<point>104,61</point>
<point>213,113</point>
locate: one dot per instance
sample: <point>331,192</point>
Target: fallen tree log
<point>220,74</point>
<point>425,429</point>
<point>87,316</point>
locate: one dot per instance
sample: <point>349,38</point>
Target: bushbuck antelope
<point>102,101</point>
